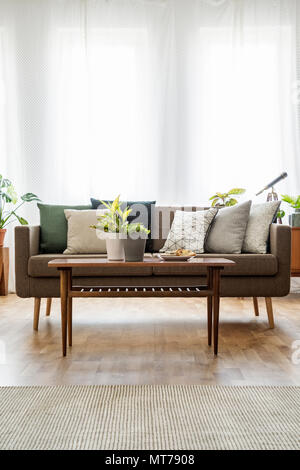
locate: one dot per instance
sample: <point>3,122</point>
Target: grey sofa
<point>254,275</point>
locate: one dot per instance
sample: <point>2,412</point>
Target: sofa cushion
<point>228,229</point>
<point>163,217</point>
<point>82,239</point>
<point>38,267</point>
<point>54,227</point>
<point>246,265</point>
<point>188,230</point>
<point>258,228</point>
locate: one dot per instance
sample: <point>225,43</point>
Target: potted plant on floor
<point>294,202</point>
<point>135,242</point>
<point>9,198</point>
<point>111,226</point>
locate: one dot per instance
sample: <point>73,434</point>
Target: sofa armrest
<point>27,240</point>
<point>280,243</point>
<point>280,246</point>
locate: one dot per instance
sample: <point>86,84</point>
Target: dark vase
<point>134,249</point>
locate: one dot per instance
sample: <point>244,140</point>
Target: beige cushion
<point>81,237</point>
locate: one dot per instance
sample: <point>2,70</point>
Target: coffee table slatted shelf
<point>211,289</point>
<point>140,291</point>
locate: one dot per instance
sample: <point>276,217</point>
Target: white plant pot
<point>115,248</point>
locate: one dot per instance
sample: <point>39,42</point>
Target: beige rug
<point>149,417</point>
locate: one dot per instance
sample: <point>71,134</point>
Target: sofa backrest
<point>162,218</point>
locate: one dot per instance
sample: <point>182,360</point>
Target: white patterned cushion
<point>188,230</point>
<point>258,228</point>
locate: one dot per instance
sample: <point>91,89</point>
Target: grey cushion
<point>228,229</point>
<point>258,228</point>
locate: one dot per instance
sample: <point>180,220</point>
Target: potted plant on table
<point>111,226</point>
<point>9,198</point>
<point>294,202</point>
<point>123,240</point>
<point>135,242</point>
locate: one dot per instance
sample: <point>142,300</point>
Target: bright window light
<point>234,118</point>
<point>102,101</point>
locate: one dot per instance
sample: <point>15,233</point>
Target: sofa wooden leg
<point>270,311</point>
<point>36,315</point>
<point>48,307</point>
<point>255,304</point>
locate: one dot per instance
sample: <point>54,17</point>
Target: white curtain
<point>154,99</point>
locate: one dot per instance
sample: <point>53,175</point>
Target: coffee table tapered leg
<point>70,309</point>
<point>64,308</point>
<point>216,307</point>
<point>209,305</point>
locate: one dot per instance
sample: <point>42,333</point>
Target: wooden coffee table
<point>68,290</point>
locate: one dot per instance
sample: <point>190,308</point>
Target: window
<point>234,117</point>
<point>103,101</point>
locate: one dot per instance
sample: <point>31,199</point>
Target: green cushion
<point>54,227</point>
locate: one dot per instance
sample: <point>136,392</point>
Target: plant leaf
<point>6,183</point>
<point>237,191</point>
<point>29,197</point>
<point>20,219</point>
<point>231,202</point>
<point>6,197</point>
<point>12,193</point>
<point>280,214</point>
<point>292,201</point>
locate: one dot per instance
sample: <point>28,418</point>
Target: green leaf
<point>288,199</point>
<point>214,202</point>
<point>280,214</point>
<point>107,205</point>
<point>213,197</point>
<point>12,193</point>
<point>20,219</point>
<point>116,204</point>
<point>6,183</point>
<point>6,197</point>
<point>292,201</point>
<point>231,202</point>
<point>29,197</point>
<point>237,191</point>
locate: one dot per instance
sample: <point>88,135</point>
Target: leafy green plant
<point>294,202</point>
<point>114,219</point>
<point>226,199</point>
<point>8,196</point>
<point>136,228</point>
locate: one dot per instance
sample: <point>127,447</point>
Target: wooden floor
<point>149,341</point>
